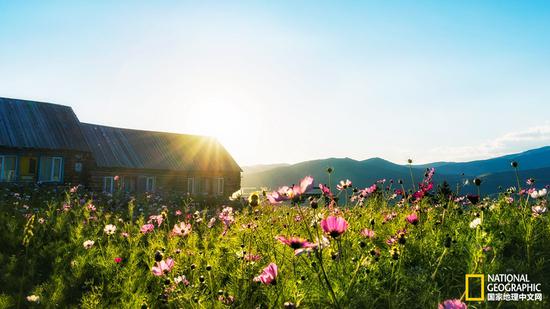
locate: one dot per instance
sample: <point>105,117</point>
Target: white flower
<point>33,298</point>
<point>109,229</point>
<point>539,193</point>
<point>88,244</point>
<point>474,224</point>
<point>538,210</point>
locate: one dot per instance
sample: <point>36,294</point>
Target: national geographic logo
<point>502,287</point>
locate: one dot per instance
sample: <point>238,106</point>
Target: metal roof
<point>29,124</point>
<point>137,149</point>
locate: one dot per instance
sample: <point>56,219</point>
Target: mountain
<point>531,159</point>
<point>494,172</point>
<point>262,167</point>
<point>362,173</point>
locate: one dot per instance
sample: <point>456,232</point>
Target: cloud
<point>511,142</point>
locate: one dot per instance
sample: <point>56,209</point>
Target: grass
<point>215,264</point>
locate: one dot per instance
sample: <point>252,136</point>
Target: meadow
<point>383,246</point>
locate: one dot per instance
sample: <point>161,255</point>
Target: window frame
<point>52,171</point>
<point>111,189</point>
<point>220,182</point>
<point>3,164</point>
<point>191,181</point>
<point>153,182</point>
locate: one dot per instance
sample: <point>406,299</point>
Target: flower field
<point>375,247</point>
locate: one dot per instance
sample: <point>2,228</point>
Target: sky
<point>289,81</point>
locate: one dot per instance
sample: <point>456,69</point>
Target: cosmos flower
<point>268,275</point>
<point>146,228</point>
<point>211,222</point>
<point>33,298</point>
<point>91,207</point>
<point>538,194</point>
<point>452,304</point>
<point>109,229</point>
<point>118,260</point>
<point>250,257</point>
<point>163,267</point>
<point>88,244</point>
<point>475,223</point>
<point>538,210</point>
<point>412,219</point>
<point>181,229</point>
<point>367,233</point>
<point>326,190</point>
<point>181,279</point>
<point>343,185</point>
<point>295,243</point>
<point>286,193</point>
<point>306,184</point>
<point>158,219</point>
<point>334,226</point>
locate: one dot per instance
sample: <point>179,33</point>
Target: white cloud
<point>511,142</point>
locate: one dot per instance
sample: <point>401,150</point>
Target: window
<point>191,185</point>
<point>7,168</point>
<point>206,186</point>
<point>108,184</point>
<point>27,168</point>
<point>129,184</point>
<point>219,186</point>
<point>51,169</point>
<point>150,184</point>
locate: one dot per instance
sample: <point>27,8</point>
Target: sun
<point>225,123</point>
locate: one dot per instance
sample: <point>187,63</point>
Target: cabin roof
<point>30,124</point>
<point>138,149</point>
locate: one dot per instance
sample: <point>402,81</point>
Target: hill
<point>495,172</point>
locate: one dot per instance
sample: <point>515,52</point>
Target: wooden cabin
<point>147,161</point>
<point>41,143</point>
<point>46,143</point>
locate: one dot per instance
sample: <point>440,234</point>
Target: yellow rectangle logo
<point>482,295</point>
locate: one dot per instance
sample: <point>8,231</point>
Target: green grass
<point>49,260</point>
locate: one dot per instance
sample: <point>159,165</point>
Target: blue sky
<point>287,81</point>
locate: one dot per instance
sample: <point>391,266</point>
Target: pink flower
<point>412,219</point>
<point>325,190</point>
<point>296,243</point>
<point>452,304</point>
<point>118,260</point>
<point>268,275</point>
<point>249,257</point>
<point>91,207</point>
<point>305,185</point>
<point>211,222</point>
<point>124,234</point>
<point>286,193</point>
<point>181,229</point>
<point>158,219</point>
<point>147,228</point>
<point>367,233</point>
<point>343,185</point>
<point>178,212</point>
<point>163,267</point>
<point>334,226</point>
